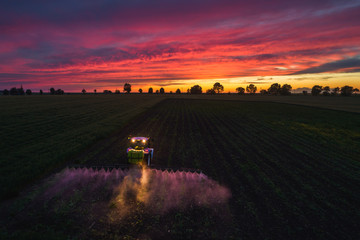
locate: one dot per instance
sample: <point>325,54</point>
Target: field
<point>40,133</point>
<point>293,173</point>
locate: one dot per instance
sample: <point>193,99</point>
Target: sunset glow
<point>176,44</point>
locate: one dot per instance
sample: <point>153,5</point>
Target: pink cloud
<point>171,41</point>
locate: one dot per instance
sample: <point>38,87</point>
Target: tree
<point>346,90</point>
<point>52,91</point>
<point>162,90</point>
<point>59,92</point>
<point>107,92</point>
<point>83,91</point>
<point>178,91</point>
<point>157,91</point>
<point>21,90</point>
<point>274,89</point>
<point>94,91</point>
<point>335,91</point>
<point>151,90</point>
<point>240,90</point>
<point>14,91</point>
<point>6,92</point>
<point>210,91</point>
<point>356,90</point>
<point>326,91</point>
<point>171,92</point>
<point>218,87</point>
<point>285,90</point>
<point>127,87</point>
<point>28,92</point>
<point>305,92</point>
<point>41,92</point>
<point>117,91</point>
<point>316,90</point>
<point>140,90</point>
<point>263,92</point>
<point>251,89</point>
<point>196,89</point>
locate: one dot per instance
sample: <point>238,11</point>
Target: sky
<point>102,44</point>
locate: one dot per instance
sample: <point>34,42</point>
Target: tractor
<point>139,150</point>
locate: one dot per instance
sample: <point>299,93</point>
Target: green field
<point>41,133</point>
<point>293,171</point>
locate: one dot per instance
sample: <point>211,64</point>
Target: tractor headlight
<point>144,141</point>
<point>133,140</point>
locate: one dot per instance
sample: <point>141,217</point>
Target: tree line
<point>218,88</point>
<point>21,91</point>
<point>326,91</point>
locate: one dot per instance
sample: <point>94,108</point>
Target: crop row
<point>39,133</point>
<point>285,181</point>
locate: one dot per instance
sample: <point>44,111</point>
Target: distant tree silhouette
<point>188,91</point>
<point>52,91</point>
<point>117,91</point>
<point>162,90</point>
<point>210,91</point>
<point>83,91</point>
<point>240,90</point>
<point>285,90</point>
<point>335,91</point>
<point>95,91</point>
<point>151,90</point>
<point>157,91</point>
<point>346,91</point>
<point>251,89</point>
<point>263,92</point>
<point>171,92</point>
<point>6,92</point>
<point>304,92</point>
<point>356,90</point>
<point>274,89</point>
<point>140,90</point>
<point>127,87</point>
<point>107,92</point>
<point>316,90</point>
<point>14,91</point>
<point>178,91</point>
<point>41,92</point>
<point>326,91</point>
<point>21,91</point>
<point>196,89</point>
<point>218,88</point>
<point>28,92</point>
<point>59,92</point>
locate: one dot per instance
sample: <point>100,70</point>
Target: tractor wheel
<point>149,160</point>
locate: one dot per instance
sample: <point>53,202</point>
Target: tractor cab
<point>139,150</point>
<point>139,143</point>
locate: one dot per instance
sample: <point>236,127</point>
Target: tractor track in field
<point>111,149</point>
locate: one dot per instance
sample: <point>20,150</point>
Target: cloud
<point>15,76</point>
<point>352,70</point>
<point>147,41</point>
<point>257,57</point>
<point>256,82</point>
<point>333,66</point>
